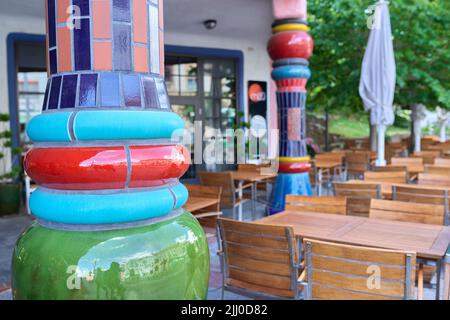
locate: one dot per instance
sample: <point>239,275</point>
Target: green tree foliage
<point>340,33</point>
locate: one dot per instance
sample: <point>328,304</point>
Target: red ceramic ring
<point>290,44</point>
<point>294,167</point>
<point>96,168</point>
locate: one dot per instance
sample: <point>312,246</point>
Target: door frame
<point>11,40</point>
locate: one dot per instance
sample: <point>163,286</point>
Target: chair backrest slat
<point>259,258</point>
<point>412,164</point>
<point>357,161</point>
<point>252,167</point>
<point>330,156</point>
<point>389,177</point>
<point>358,196</point>
<point>435,169</point>
<point>437,180</point>
<point>390,168</point>
<point>427,156</point>
<point>442,162</point>
<point>220,179</point>
<point>322,204</point>
<point>338,271</point>
<point>407,211</point>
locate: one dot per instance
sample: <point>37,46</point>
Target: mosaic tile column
<point>290,48</point>
<point>109,217</point>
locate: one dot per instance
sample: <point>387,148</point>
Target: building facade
<point>207,70</point>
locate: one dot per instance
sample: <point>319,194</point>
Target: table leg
<point>254,195</point>
<point>447,281</point>
<point>438,279</point>
<point>240,185</point>
<point>319,182</point>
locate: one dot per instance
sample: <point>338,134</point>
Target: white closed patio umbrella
<point>377,83</point>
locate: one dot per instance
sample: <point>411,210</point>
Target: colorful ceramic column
<point>110,222</point>
<point>290,48</point>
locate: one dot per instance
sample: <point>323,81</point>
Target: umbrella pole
<point>381,129</point>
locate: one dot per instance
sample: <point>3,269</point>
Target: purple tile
<point>122,47</point>
<point>83,5</point>
<point>54,93</point>
<point>51,23</point>
<point>150,94</point>
<point>131,90</point>
<point>53,60</point>
<point>121,10</point>
<point>88,90</point>
<point>47,90</point>
<point>69,91</point>
<point>109,90</point>
<point>82,46</point>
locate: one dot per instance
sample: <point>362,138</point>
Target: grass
<point>357,127</point>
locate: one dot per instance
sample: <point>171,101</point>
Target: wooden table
<point>197,203</point>
<point>327,164</point>
<point>428,241</point>
<point>253,177</point>
<point>324,165</point>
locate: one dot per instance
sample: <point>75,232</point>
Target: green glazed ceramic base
<point>166,260</point>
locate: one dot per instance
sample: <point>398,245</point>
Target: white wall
<point>13,24</point>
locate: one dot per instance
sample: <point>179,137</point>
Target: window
<point>31,90</point>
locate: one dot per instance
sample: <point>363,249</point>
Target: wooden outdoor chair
<point>358,196</point>
<point>207,216</point>
<point>410,212</point>
<point>413,165</point>
<point>322,204</point>
<point>257,168</point>
<point>427,156</point>
<point>259,261</point>
<point>357,162</point>
<point>392,168</point>
<point>386,177</point>
<point>437,180</point>
<point>421,194</point>
<point>407,211</point>
<point>333,156</point>
<point>343,272</point>
<point>230,193</point>
<point>442,162</point>
<point>435,169</point>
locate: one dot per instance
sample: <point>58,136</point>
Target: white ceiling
<point>236,18</point>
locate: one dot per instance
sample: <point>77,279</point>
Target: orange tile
<point>161,14</point>
<point>61,10</point>
<point>102,55</point>
<point>140,21</point>
<point>161,52</point>
<point>101,19</point>
<point>140,59</point>
<point>64,49</point>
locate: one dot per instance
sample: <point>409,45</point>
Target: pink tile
<point>101,19</point>
<point>141,59</point>
<point>64,49</point>
<point>283,9</point>
<point>161,14</point>
<point>102,55</point>
<point>140,21</point>
<point>61,10</point>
